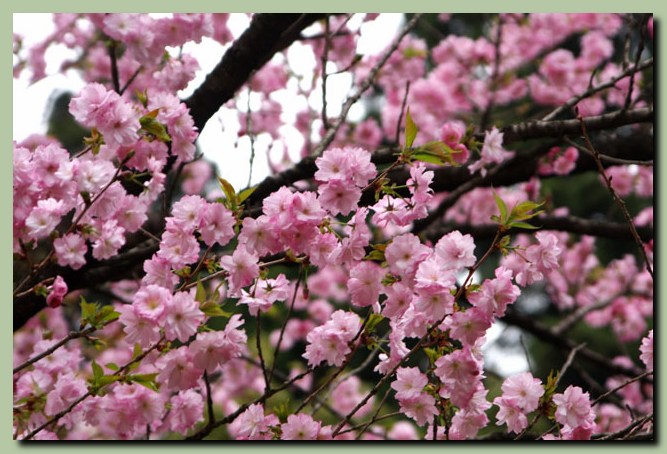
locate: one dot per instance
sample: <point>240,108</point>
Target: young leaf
<point>154,127</point>
<point>147,380</point>
<point>425,156</point>
<point>410,130</point>
<point>88,311</point>
<point>98,372</point>
<point>243,195</point>
<point>211,309</point>
<point>523,225</point>
<point>501,207</point>
<point>200,296</point>
<point>373,321</point>
<point>228,189</point>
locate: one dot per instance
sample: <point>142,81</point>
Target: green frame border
<point>659,8</point>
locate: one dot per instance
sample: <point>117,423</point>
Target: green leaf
<point>227,188</point>
<point>107,380</point>
<point>501,207</point>
<point>440,150</point>
<point>200,296</point>
<point>137,351</point>
<point>373,321</point>
<point>211,309</point>
<point>112,366</point>
<point>427,157</point>
<point>432,354</point>
<point>375,255</point>
<point>410,130</point>
<point>243,195</point>
<point>389,279</point>
<point>147,380</point>
<point>88,311</point>
<point>104,316</point>
<point>98,372</point>
<point>108,318</point>
<point>522,211</point>
<point>523,225</point>
<point>153,127</point>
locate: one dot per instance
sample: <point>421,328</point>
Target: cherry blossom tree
<point>500,174</point>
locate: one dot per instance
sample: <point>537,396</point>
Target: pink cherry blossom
<point>187,409</point>
<point>646,349</point>
<point>177,371</point>
<point>57,292</point>
<point>573,408</point>
<point>364,283</point>
<point>410,382</point>
<point>300,427</point>
<point>252,424</point>
<point>242,268</point>
<point>182,316</point>
<point>524,390</point>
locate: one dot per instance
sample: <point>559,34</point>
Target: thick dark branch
<point>123,266</point>
<point>266,35</point>
<point>546,334</point>
<point>637,145</point>
<point>571,224</point>
<point>544,129</point>
<point>522,167</point>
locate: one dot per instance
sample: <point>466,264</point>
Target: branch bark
<point>266,35</point>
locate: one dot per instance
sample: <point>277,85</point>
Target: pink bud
<point>58,291</point>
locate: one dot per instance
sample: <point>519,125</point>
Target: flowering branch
<point>72,335</point>
<point>617,199</point>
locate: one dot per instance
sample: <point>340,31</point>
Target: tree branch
<point>571,224</point>
<point>543,129</point>
<point>266,35</point>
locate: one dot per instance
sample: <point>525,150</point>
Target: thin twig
<point>130,80</point>
<point>379,418</point>
<point>258,339</point>
<point>119,372</point>
<point>367,83</point>
<point>72,335</point>
<point>486,116</point>
<point>232,416</point>
<point>374,417</point>
<point>577,315</point>
<point>251,136</point>
<point>284,325</point>
<point>114,66</point>
<point>196,270</point>
<point>622,385</point>
<point>635,425</point>
<point>568,361</point>
<point>608,158</point>
<point>400,115</point>
<point>209,400</point>
<point>640,50</point>
<point>612,83</point>
<point>323,63</point>
<point>617,199</point>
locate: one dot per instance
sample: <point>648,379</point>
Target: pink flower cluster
<point>521,396</point>
<point>343,172</point>
<point>574,412</point>
<point>331,342</point>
